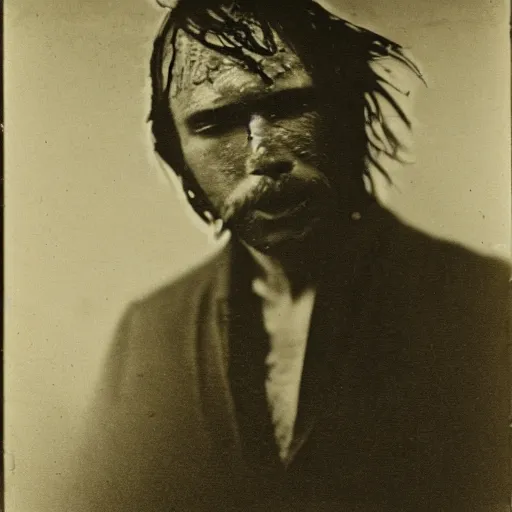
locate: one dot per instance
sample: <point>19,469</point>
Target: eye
<point>204,128</point>
<point>215,125</point>
<point>215,129</point>
<point>290,106</point>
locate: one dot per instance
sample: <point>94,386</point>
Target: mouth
<point>277,203</point>
<point>280,211</point>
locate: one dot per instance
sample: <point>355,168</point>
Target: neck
<point>280,277</point>
<point>292,270</point>
<point>271,270</point>
<point>303,264</point>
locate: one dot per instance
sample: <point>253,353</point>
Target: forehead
<point>204,79</point>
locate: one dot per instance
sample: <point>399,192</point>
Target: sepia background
<point>92,223</point>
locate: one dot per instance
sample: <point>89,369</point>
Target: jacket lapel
<point>331,344</point>
<point>213,321</point>
<point>329,329</point>
<point>230,352</point>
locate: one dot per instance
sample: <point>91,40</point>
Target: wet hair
<point>351,65</point>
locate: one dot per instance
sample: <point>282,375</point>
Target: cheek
<point>217,163</point>
<point>301,136</point>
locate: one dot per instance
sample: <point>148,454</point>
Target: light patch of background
<point>91,223</point>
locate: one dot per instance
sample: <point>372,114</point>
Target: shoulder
<point>424,284</point>
<point>186,294</point>
<point>157,334</point>
<point>441,262</point>
<point>202,278</point>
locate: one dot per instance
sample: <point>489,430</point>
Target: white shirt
<point>286,319</point>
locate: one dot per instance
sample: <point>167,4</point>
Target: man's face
<point>257,150</point>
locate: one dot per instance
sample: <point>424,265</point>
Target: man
<point>329,357</point>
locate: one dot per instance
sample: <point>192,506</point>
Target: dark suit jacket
<point>403,402</point>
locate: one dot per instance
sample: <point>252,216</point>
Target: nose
<point>267,157</point>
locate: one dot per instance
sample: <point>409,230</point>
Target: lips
<point>286,199</point>
<point>266,200</point>
<point>279,211</point>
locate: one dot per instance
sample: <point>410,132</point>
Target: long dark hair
<point>347,62</point>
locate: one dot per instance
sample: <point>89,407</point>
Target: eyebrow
<point>280,101</point>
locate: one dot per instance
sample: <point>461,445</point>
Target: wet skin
<point>256,149</point>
